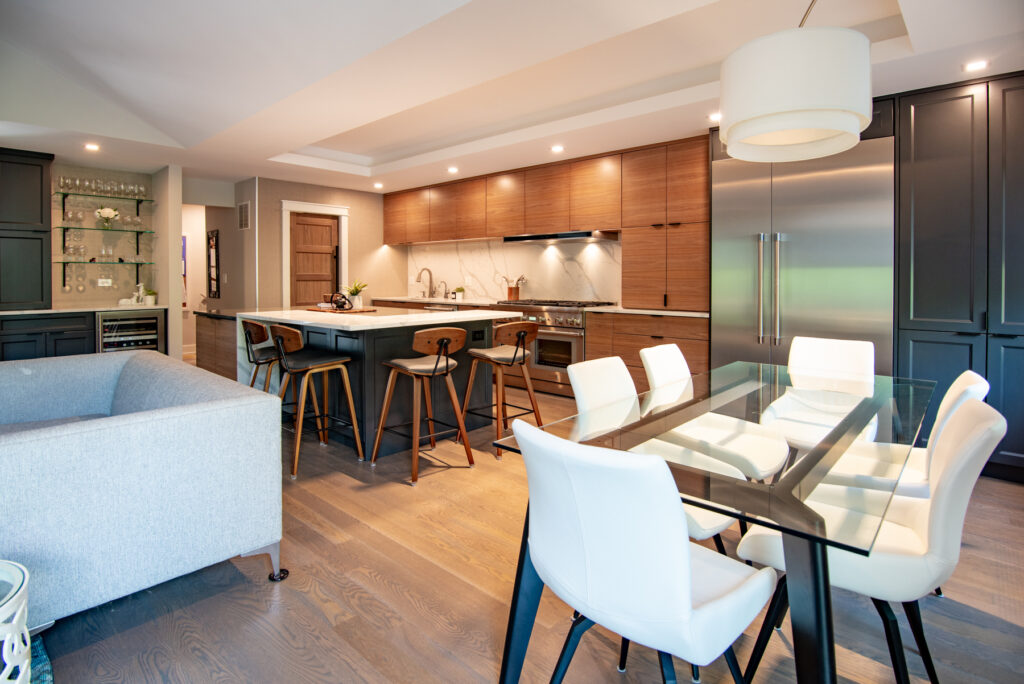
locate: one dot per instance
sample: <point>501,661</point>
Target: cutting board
<point>341,311</point>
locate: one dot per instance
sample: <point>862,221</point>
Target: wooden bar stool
<point>513,340</point>
<point>437,344</point>
<point>256,333</point>
<point>301,363</point>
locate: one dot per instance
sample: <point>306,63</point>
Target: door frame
<point>289,206</point>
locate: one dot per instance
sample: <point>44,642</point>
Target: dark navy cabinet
<point>24,229</point>
<point>1006,375</point>
<point>1006,207</point>
<point>36,336</point>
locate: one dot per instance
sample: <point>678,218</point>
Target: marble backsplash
<point>563,270</point>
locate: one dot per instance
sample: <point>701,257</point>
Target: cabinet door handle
<point>657,225</point>
<point>676,223</point>
<point>657,337</point>
<point>760,287</point>
<point>664,300</point>
<point>777,239</point>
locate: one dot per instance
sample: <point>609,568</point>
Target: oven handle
<point>564,333</point>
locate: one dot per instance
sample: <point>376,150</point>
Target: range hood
<point>572,236</point>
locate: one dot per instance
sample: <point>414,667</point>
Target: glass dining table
<point>821,417</point>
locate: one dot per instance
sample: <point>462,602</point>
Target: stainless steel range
<point>560,341</point>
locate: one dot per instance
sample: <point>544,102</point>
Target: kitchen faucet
<point>430,281</point>
<point>446,293</point>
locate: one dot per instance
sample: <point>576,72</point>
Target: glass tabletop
<point>813,455</point>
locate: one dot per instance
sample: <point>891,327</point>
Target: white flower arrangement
<point>107,213</point>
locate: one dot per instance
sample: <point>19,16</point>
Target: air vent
<point>243,216</point>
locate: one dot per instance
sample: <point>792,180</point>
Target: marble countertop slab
<point>390,318</point>
<point>648,312</point>
<point>47,312</point>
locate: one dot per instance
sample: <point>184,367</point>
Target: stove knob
<point>558,320</point>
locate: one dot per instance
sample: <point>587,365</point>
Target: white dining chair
<point>883,466</point>
<point>918,542</point>
<point>828,379</point>
<point>608,536</point>
<point>757,451</point>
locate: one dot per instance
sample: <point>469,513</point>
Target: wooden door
<point>505,204</point>
<point>1006,206</point>
<point>689,181</point>
<point>688,267</point>
<point>643,188</point>
<point>394,218</point>
<point>643,268</point>
<point>442,212</point>
<point>314,259</point>
<point>597,193</point>
<point>547,198</point>
<point>471,209</point>
<point>417,215</point>
<point>943,210</point>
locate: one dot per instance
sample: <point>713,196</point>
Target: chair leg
<point>719,544</point>
<point>266,381</point>
<point>776,607</point>
<point>415,428</point>
<point>530,393</point>
<point>502,400</point>
<point>469,390</point>
<point>734,667</point>
<point>430,412</point>
<point>499,405</point>
<point>458,417</point>
<point>938,592</point>
<point>913,611</point>
<point>580,625</point>
<point>284,385</point>
<point>668,670</point>
<point>352,412</point>
<point>383,415</point>
<point>623,654</point>
<point>317,416</point>
<point>300,408</point>
<point>892,636</point>
<point>252,377</point>
<point>326,379</point>
<point>695,674</point>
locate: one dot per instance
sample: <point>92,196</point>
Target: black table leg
<point>810,602</point>
<point>523,611</point>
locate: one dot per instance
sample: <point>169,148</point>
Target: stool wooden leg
<point>352,412</point>
<point>469,390</point>
<point>533,397</point>
<point>284,385</point>
<point>430,412</point>
<point>252,378</point>
<point>415,428</point>
<point>499,405</point>
<point>270,368</point>
<point>458,417</point>
<point>317,416</point>
<point>300,408</point>
<point>327,383</point>
<point>383,415</point>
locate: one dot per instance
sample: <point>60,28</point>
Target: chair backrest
<point>607,531</point>
<point>522,333</point>
<point>600,381</point>
<point>969,385</point>
<point>664,365</point>
<point>287,340</point>
<point>255,333</point>
<point>827,357</point>
<point>440,341</point>
<point>968,438</point>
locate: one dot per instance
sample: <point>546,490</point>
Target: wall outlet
<point>104,282</point>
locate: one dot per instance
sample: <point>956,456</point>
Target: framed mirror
<point>213,264</point>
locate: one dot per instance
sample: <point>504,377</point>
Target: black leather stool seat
<point>305,359</point>
<point>264,354</point>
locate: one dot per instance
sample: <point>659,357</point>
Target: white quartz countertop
<point>386,318</point>
<point>438,300</point>
<point>47,312</point>
<point>648,312</point>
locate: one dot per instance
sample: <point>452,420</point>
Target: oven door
<point>553,351</point>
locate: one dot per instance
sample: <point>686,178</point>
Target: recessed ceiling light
<point>92,147</point>
<point>976,65</point>
<point>716,117</point>
<point>378,185</point>
<point>453,169</point>
<point>557,148</point>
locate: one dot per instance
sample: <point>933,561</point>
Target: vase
<point>106,223</point>
<point>150,300</point>
<point>357,301</point>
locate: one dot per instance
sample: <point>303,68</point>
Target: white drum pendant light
<point>797,94</point>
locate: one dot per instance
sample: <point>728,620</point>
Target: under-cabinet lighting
<point>716,117</point>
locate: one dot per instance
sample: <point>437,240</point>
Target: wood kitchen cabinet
<point>548,200</point>
<point>505,204</point>
<point>644,183</point>
<point>667,267</point>
<point>443,212</point>
<point>667,185</point>
<point>394,219</point>
<point>458,210</point>
<point>596,193</point>
<point>407,217</point>
<point>216,345</point>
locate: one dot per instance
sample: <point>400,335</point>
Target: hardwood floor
<point>397,583</point>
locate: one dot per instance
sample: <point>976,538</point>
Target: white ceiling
<point>346,93</point>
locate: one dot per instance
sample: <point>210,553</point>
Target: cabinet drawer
<point>46,323</point>
<point>639,378</point>
<point>629,346</point>
<point>668,326</point>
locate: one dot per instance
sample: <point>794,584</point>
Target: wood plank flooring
<point>392,583</point>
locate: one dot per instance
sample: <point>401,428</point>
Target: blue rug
<point>42,672</point>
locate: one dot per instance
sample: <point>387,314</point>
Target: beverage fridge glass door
<point>741,277</point>
<point>832,223</point>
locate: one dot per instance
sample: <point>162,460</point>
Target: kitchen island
<point>372,338</point>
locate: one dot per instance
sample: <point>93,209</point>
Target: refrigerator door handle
<point>776,305</point>
<point>761,238</point>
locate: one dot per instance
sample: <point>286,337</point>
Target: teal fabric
<point>42,671</point>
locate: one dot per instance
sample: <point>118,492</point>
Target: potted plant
<point>460,293</point>
<point>353,291</point>
<point>150,298</point>
<point>106,216</point>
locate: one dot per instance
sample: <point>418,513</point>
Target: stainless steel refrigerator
<point>802,248</point>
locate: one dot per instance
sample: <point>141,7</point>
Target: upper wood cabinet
<point>596,187</point>
<point>505,204</point>
<point>471,209</point>
<point>442,212</point>
<point>644,187</point>
<point>548,198</point>
<point>667,267</point>
<point>394,219</point>
<point>407,217</point>
<point>688,168</point>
